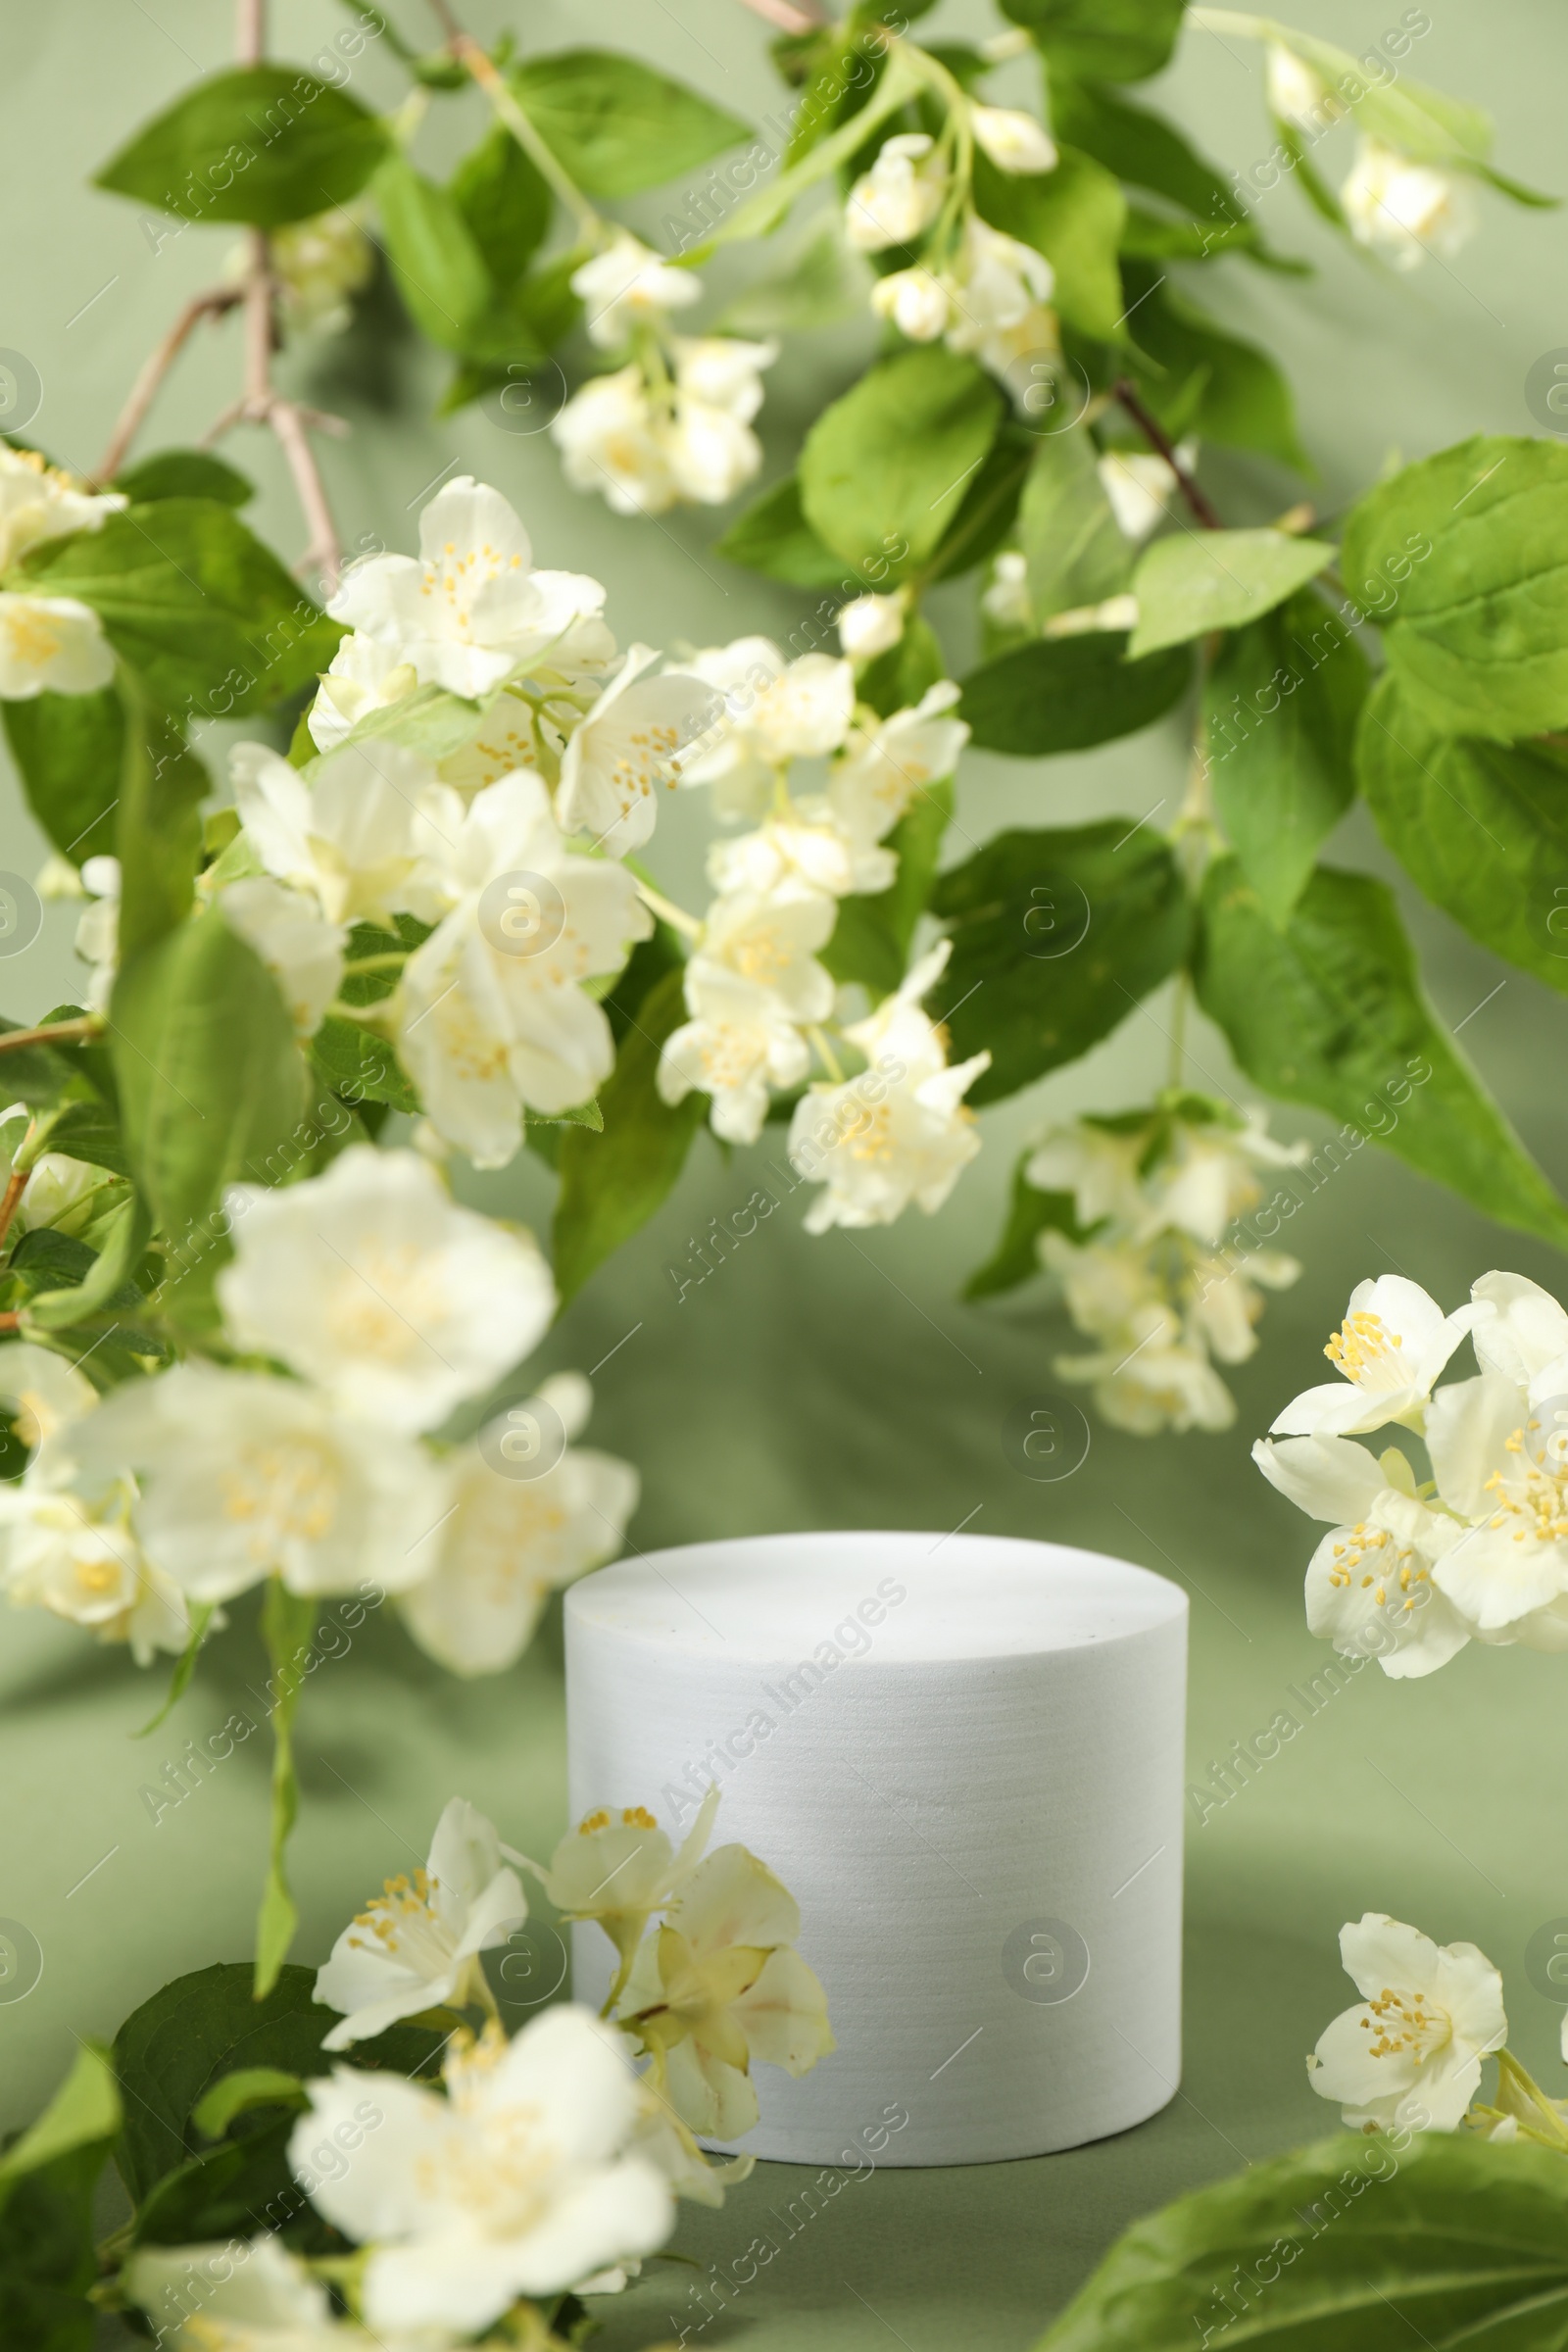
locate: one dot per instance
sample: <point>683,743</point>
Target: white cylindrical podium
<point>963,1758</point>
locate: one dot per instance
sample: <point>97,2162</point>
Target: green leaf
<point>436,258</point>
<point>288,1622</point>
<point>1351,2245</point>
<point>896,680</point>
<point>505,204</point>
<point>1055,936</point>
<point>1064,694</point>
<point>611,1184</point>
<point>1017,1257</point>
<point>815,285</point>
<point>1279,710</point>
<point>1069,535</point>
<point>616,125</point>
<point>990,506</point>
<point>1428,124</point>
<point>1074,215</point>
<point>67,750</point>
<point>88,1129</point>
<point>184,474</point>
<point>430,720</point>
<point>898,84</point>
<point>197,2031</point>
<point>201,1614</point>
<point>1331,1013</point>
<point>872,936</point>
<point>265,144</point>
<point>1460,557</point>
<point>1194,581</point>
<point>772,537</point>
<point>1143,148</point>
<point>883,470</point>
<point>1203,380</point>
<point>105,1283</point>
<point>84,2112</point>
<point>236,2095</point>
<point>1104,40</point>
<point>48,2181</point>
<point>211,1080</point>
<point>361,1066</point>
<point>196,605</point>
<point>1482,828</point>
<point>157,830</point>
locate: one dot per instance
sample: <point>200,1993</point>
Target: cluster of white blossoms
<point>386,1306</point>
<point>674,424</point>
<point>546,2164</point>
<point>317,267</point>
<point>971,286</point>
<point>1413,1569</point>
<point>760,1001</point>
<point>1400,206</point>
<point>50,643</point>
<point>1151,1276</point>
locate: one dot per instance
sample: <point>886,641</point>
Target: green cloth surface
<point>836,1381</point>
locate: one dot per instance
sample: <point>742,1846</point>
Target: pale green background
<point>836,1381</point>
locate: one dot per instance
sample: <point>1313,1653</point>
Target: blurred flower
<point>917,303</point>
<point>1014,141</point>
<point>233,2296</point>
<point>899,198</point>
<point>630,742</point>
<point>648,445</point>
<point>1297,94</point>
<point>887,763</point>
<point>39,501</point>
<point>51,644</point>
<point>318,265</point>
<point>349,836</point>
<point>741,1041</point>
<point>417,1945</point>
<point>1005,599</point>
<point>64,1195</point>
<point>98,930</point>
<point>870,625</point>
<point>629,286</point>
<point>292,937</point>
<point>1409,2053</point>
<point>364,675</point>
<point>1406,210</point>
<point>610,440</point>
<point>1140,486</point>
<point>774,713</point>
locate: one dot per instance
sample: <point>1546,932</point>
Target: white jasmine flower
<point>469,609</point>
<point>887,763</point>
<point>774,713</point>
<point>39,501</point>
<point>622,1871</point>
<point>1410,2052</point>
<point>64,1195</point>
<point>1154,1372</point>
<point>42,1391</point>
<point>870,625</point>
<point>1000,287</point>
<point>352,836</point>
<point>1521,1333</point>
<point>770,939</point>
<point>1497,1469</point>
<point>720,1984</point>
<point>319,264</point>
<point>1140,486</point>
<point>1005,599</point>
<point>609,438</point>
<point>1226,1305</point>
<point>1404,210</point>
<point>299,948</point>
<point>1370,1585</point>
<point>711,454</point>
<point>98,930</point>
<point>1207,1178</point>
<point>629,744</point>
<point>1393,1343</point>
<point>372,1282</point>
<point>918,304</point>
<point>1014,141</point>
<point>1097,1163</point>
<point>227,2297</point>
<point>518,2182</point>
<point>245,1476</point>
<point>417,1945</point>
<point>900,1131</point>
<point>722,372</point>
<point>741,1041</point>
<point>1297,94</point>
<point>364,675</point>
<point>627,286</point>
<point>484,1032</point>
<point>512,1542</point>
<point>813,848</point>
<point>79,1559</point>
<point>899,198</point>
<point>51,644</point>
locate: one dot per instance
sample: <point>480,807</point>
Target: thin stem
<point>1178,1030</point>
<point>393,960</point>
<point>10,1322</point>
<point>143,392</point>
<point>786,16</point>
<point>668,910</point>
<point>250,31</point>
<point>13,1191</point>
<point>1159,439</point>
<point>477,62</point>
<point>52,1033</point>
<point>830,1060</point>
<point>323,550</point>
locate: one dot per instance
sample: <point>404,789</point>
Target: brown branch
<point>144,391</point>
<point>13,1191</point>
<point>52,1031</point>
<point>786,16</point>
<point>250,31</point>
<point>1159,439</point>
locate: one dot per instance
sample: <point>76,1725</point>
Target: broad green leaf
<point>648,963</point>
<point>1280,708</point>
<point>1482,827</point>
<point>1076,553</point>
<point>190,597</point>
<point>211,1080</point>
<point>184,474</point>
<point>104,1284</point>
<point>1104,40</point>
<point>884,471</point>
<point>1194,581</point>
<point>430,720</point>
<point>896,680</point>
<point>157,830</point>
<point>67,750</point>
<point>616,125</point>
<point>1428,124</point>
<point>361,1066</point>
<point>1055,936</point>
<point>1016,1256</point>
<point>84,2112</point>
<point>48,2183</point>
<point>89,1130</point>
<point>1064,694</point>
<point>990,506</point>
<point>1349,2245</point>
<point>872,936</point>
<point>1330,1012</point>
<point>1460,557</point>
<point>897,84</point>
<point>1074,215</point>
<point>815,286</point>
<point>1143,148</point>
<point>503,203</point>
<point>612,1183</point>
<point>197,2033</point>
<point>775,538</point>
<point>1204,381</point>
<point>288,1624</point>
<point>436,258</point>
<point>265,144</point>
<point>248,2087</point>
